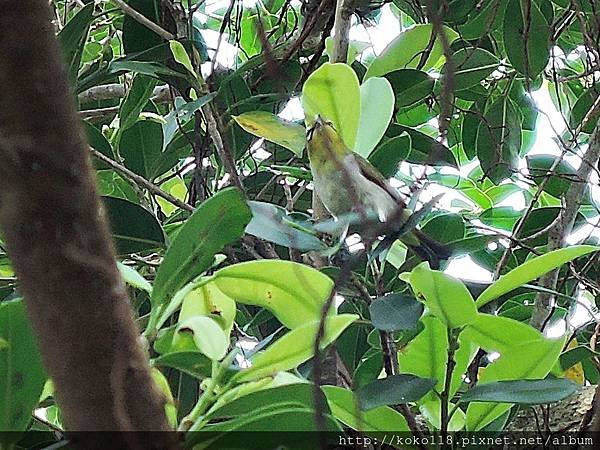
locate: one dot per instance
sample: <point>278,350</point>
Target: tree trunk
<point>58,240</point>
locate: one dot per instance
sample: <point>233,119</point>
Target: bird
<point>345,182</point>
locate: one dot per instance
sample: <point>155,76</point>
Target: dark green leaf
<point>217,222</point>
<point>445,228</point>
<point>471,66</point>
<point>410,86</point>
<point>423,148</point>
<point>134,228</point>
<point>526,38</point>
<point>581,108</point>
<point>135,100</point>
<point>562,176</point>
<point>141,148</point>
<point>394,312</point>
<point>394,390</point>
<point>72,38</point>
<point>499,140</point>
<point>137,37</point>
<point>21,373</point>
<point>527,392</point>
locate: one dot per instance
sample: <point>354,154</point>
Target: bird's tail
<point>429,249</point>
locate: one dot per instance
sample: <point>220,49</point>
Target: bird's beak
<point>318,124</point>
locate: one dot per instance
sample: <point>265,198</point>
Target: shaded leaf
<point>394,390</point>
<point>394,312</point>
<point>134,229</point>
<point>528,392</point>
<point>271,223</point>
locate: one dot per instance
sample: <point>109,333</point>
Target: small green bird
<point>346,182</point>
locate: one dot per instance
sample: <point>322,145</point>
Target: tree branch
<point>563,225</point>
<point>59,243</point>
<point>341,27</point>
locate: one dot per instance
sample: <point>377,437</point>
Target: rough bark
<point>58,240</point>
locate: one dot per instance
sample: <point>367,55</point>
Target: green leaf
<point>191,362</point>
<point>582,107</point>
<point>526,38</point>
<point>133,278</point>
<point>274,129</point>
<point>526,392</point>
<point>410,86</point>
<point>181,56</point>
<point>499,140</point>
<point>405,51</point>
<point>141,148</point>
<point>208,300</point>
<point>446,297</point>
<point>376,110</point>
<point>471,66</point>
<point>426,355</point>
<point>445,228</point>
<point>299,395</point>
<point>293,348</point>
<point>344,407</point>
<point>208,336</point>
<point>136,99</point>
<point>500,334</point>
<point>72,39</point>
<point>217,222</point>
<point>394,312</point>
<point>332,91</point>
<point>271,223</point>
<point>137,37</point>
<point>21,372</point>
<point>531,360</point>
<point>394,390</point>
<point>532,269</point>
<point>293,292</point>
<point>134,229</point>
<point>423,149</point>
<point>562,176</point>
<point>296,430</point>
<point>387,157</point>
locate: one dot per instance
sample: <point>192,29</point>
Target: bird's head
<point>324,143</point>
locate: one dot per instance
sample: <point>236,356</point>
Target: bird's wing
<point>373,175</point>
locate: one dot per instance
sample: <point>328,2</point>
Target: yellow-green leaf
<point>532,269</point>
<point>293,348</point>
<point>332,91</point>
<point>274,129</point>
<point>293,292</point>
<point>405,51</point>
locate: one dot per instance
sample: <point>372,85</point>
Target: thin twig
<point>141,181</point>
<point>137,16</point>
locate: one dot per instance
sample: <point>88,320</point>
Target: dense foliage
<point>197,133</point>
